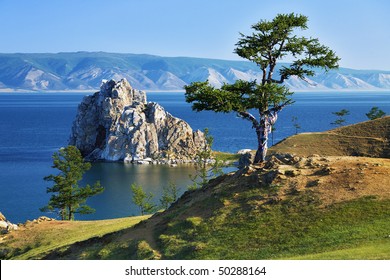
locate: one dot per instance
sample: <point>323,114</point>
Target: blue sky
<point>357,30</point>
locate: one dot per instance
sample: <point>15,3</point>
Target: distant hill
<point>85,70</point>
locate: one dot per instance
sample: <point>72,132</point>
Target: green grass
<point>378,250</point>
<point>291,229</point>
<point>226,157</point>
<point>250,224</point>
<point>43,238</point>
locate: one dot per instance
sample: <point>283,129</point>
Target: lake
<point>34,125</point>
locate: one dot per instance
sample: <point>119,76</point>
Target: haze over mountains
<point>85,71</point>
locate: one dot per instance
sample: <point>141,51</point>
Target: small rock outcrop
<point>5,225</point>
<point>117,124</point>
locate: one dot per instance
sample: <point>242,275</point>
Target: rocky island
<point>118,124</point>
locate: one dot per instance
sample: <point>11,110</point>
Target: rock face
<point>117,124</point>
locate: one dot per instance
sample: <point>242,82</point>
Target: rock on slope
<point>117,124</point>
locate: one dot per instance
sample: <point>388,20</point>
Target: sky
<point>357,30</point>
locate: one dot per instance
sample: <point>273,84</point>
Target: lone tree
<point>142,199</point>
<point>340,121</point>
<point>375,113</point>
<point>270,42</point>
<point>170,195</point>
<point>204,168</point>
<point>68,197</point>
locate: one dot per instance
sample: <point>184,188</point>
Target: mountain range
<point>85,71</point>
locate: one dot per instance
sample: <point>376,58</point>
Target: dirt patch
<point>334,179</point>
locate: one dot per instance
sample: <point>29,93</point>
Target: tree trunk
<point>263,129</point>
<point>63,214</point>
<point>262,144</point>
<point>70,214</point>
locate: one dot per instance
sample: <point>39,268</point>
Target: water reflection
<point>116,178</point>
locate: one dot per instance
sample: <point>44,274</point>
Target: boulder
<point>12,226</point>
<point>5,225</point>
<point>117,124</point>
<point>244,151</point>
<point>245,160</point>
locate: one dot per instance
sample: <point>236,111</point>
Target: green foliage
<point>68,198</point>
<point>205,169</point>
<point>270,43</point>
<point>274,40</point>
<point>169,196</point>
<point>340,121</point>
<point>142,199</point>
<point>375,113</point>
<point>238,97</point>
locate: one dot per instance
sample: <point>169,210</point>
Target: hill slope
<point>85,71</point>
<point>371,139</point>
<point>292,208</point>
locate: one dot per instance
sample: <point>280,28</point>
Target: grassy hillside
<point>371,139</point>
<point>35,239</point>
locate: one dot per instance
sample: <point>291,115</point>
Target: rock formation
<point>117,124</point>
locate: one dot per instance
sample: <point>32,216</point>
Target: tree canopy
<point>270,42</point>
<point>375,113</point>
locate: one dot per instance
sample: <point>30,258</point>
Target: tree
<point>204,168</point>
<point>340,117</point>
<point>270,42</point>
<point>69,198</point>
<point>294,120</point>
<point>169,196</point>
<point>142,199</point>
<point>375,113</point>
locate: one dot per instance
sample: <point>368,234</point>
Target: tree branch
<point>248,116</point>
<point>281,81</point>
<point>279,107</point>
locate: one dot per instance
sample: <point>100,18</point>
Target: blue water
<point>33,126</point>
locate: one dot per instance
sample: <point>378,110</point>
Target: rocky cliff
<point>117,124</point>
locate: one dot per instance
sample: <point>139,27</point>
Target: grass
<point>295,228</point>
<point>247,225</point>
<point>378,250</point>
<point>42,238</point>
<point>226,157</point>
<point>363,139</point>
